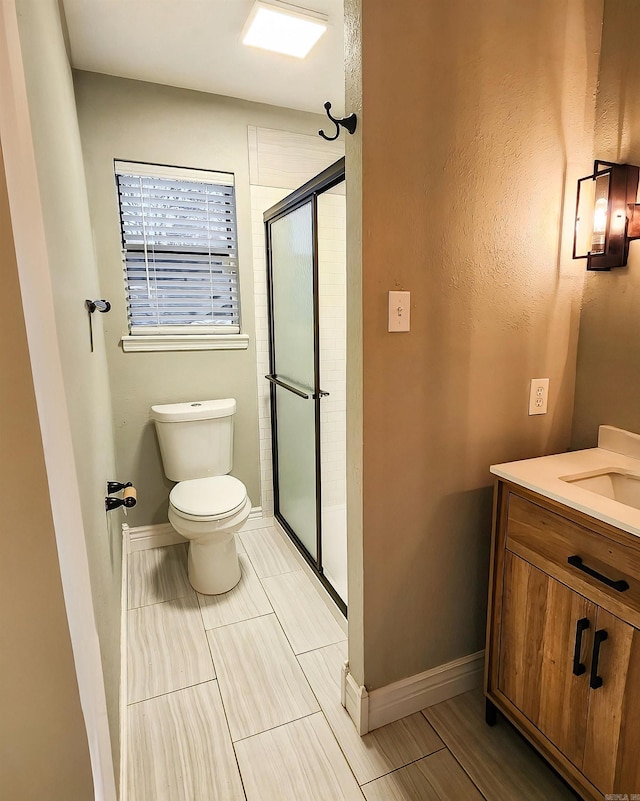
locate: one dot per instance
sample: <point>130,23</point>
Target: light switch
<point>399,311</point>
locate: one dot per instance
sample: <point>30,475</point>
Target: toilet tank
<point>196,438</point>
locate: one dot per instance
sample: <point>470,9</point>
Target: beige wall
<point>476,120</point>
<point>74,277</point>
<point>43,741</point>
<point>608,372</point>
<point>353,183</point>
<point>137,121</point>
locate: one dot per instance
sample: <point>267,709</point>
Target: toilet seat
<point>208,499</point>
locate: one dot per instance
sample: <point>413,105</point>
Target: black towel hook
<point>103,306</point>
<point>349,123</point>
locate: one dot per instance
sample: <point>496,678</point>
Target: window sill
<point>138,344</point>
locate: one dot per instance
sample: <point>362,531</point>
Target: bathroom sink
<point>615,483</point>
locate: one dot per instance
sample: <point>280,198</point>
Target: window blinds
<point>180,250</point>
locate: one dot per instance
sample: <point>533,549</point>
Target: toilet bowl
<point>207,505</point>
<point>208,512</point>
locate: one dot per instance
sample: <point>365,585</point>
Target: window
<point>180,251</point>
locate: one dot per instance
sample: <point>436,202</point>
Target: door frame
<point>307,193</point>
<point>37,300</point>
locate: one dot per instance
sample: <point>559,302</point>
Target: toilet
<point>207,506</point>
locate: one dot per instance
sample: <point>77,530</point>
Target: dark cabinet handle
<point>598,639</point>
<point>579,668</point>
<point>576,561</point>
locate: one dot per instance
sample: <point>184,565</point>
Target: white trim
<point>124,686</point>
<point>371,710</point>
<point>162,171</point>
<point>35,285</point>
<point>138,344</point>
<point>183,330</point>
<point>157,535</point>
<point>355,699</point>
<point>141,538</point>
<point>344,672</point>
<point>412,694</point>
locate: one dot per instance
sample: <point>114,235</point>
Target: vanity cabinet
<point>563,642</point>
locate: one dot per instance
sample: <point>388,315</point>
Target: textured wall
<point>137,121</point>
<point>608,372</point>
<point>74,277</point>
<point>43,742</point>
<point>476,120</point>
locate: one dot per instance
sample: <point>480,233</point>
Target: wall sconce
<point>607,215</point>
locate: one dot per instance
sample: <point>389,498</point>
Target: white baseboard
<point>154,536</point>
<point>355,699</point>
<point>124,687</point>
<point>371,710</point>
<point>160,534</point>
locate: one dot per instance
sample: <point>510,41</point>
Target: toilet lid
<point>211,498</point>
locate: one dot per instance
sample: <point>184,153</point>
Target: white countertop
<point>544,476</point>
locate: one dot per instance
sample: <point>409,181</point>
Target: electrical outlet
<point>399,311</point>
<point>538,396</point>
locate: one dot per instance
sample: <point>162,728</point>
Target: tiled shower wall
<point>332,300</point>
<point>262,198</point>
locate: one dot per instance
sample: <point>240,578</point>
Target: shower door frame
<point>307,193</point>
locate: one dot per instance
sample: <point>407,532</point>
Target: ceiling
<point>195,44</point>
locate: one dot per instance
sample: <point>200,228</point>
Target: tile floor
<point>237,698</point>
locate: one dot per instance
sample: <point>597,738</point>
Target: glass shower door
<point>305,238</point>
<point>295,413</point>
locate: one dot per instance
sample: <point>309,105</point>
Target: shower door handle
<point>275,380</point>
<point>300,393</point>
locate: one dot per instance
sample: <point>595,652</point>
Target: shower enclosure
<point>306,287</point>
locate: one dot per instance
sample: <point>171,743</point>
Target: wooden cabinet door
<point>612,747</point>
<point>537,649</point>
